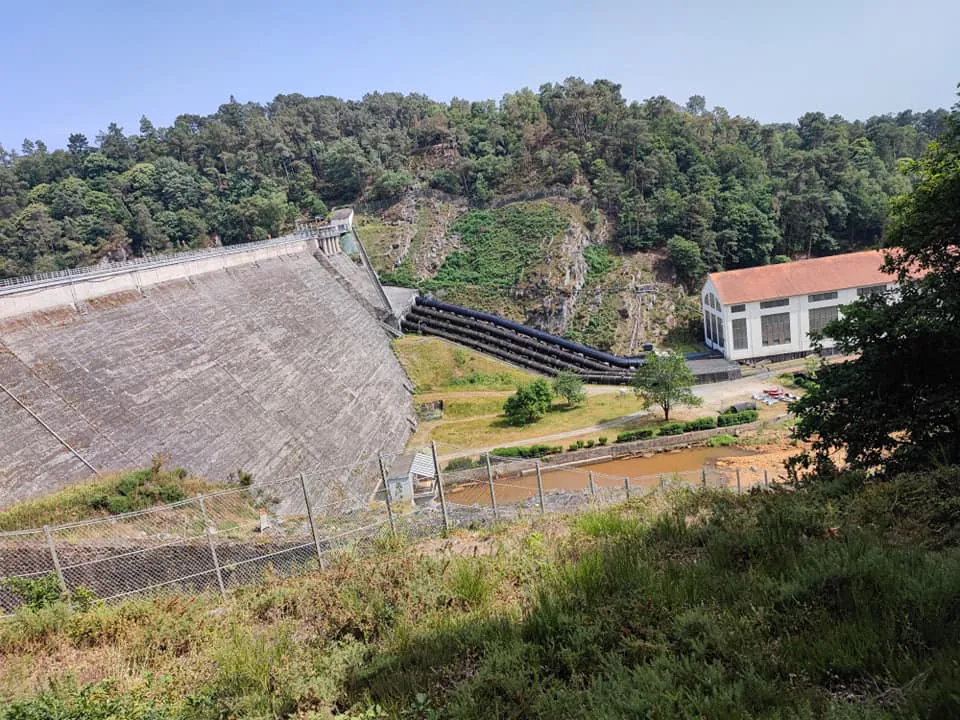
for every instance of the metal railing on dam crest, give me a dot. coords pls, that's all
(142, 263)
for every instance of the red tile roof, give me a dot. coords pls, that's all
(802, 277)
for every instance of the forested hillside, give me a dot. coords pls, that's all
(741, 193)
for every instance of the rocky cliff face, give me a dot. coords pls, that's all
(618, 304)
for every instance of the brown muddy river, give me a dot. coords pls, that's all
(516, 482)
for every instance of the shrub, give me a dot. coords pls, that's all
(640, 434)
(171, 493)
(117, 504)
(462, 463)
(673, 428)
(704, 423)
(590, 444)
(532, 451)
(35, 593)
(446, 181)
(602, 440)
(740, 418)
(129, 483)
(721, 441)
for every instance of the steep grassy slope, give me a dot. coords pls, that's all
(838, 601)
(433, 365)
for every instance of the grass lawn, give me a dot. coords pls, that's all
(489, 429)
(434, 364)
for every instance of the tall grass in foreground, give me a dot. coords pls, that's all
(836, 601)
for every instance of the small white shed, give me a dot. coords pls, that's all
(410, 476)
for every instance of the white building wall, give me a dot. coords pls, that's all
(799, 309)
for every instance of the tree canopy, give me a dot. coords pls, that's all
(897, 403)
(665, 379)
(569, 386)
(742, 192)
(529, 403)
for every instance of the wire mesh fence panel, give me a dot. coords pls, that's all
(278, 528)
(124, 554)
(246, 563)
(24, 556)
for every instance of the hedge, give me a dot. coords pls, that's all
(462, 463)
(641, 434)
(533, 451)
(740, 418)
(704, 423)
(674, 428)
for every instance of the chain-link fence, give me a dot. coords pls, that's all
(210, 542)
(239, 535)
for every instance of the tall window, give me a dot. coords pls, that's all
(783, 302)
(820, 297)
(738, 308)
(819, 317)
(707, 326)
(775, 329)
(720, 332)
(740, 334)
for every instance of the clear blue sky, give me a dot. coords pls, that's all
(76, 66)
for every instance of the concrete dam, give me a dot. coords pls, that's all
(269, 357)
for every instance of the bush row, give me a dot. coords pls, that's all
(740, 418)
(678, 428)
(533, 451)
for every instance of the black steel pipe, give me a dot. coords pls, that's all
(512, 337)
(626, 363)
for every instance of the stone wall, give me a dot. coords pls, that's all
(272, 367)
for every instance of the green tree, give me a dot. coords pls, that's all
(686, 260)
(665, 380)
(897, 403)
(529, 403)
(569, 386)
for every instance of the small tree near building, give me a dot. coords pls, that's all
(529, 403)
(665, 380)
(569, 386)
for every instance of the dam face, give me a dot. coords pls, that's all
(264, 360)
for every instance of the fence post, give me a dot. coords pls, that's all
(593, 488)
(213, 549)
(662, 483)
(766, 481)
(443, 500)
(386, 494)
(55, 557)
(313, 524)
(739, 491)
(493, 492)
(703, 476)
(626, 486)
(540, 487)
